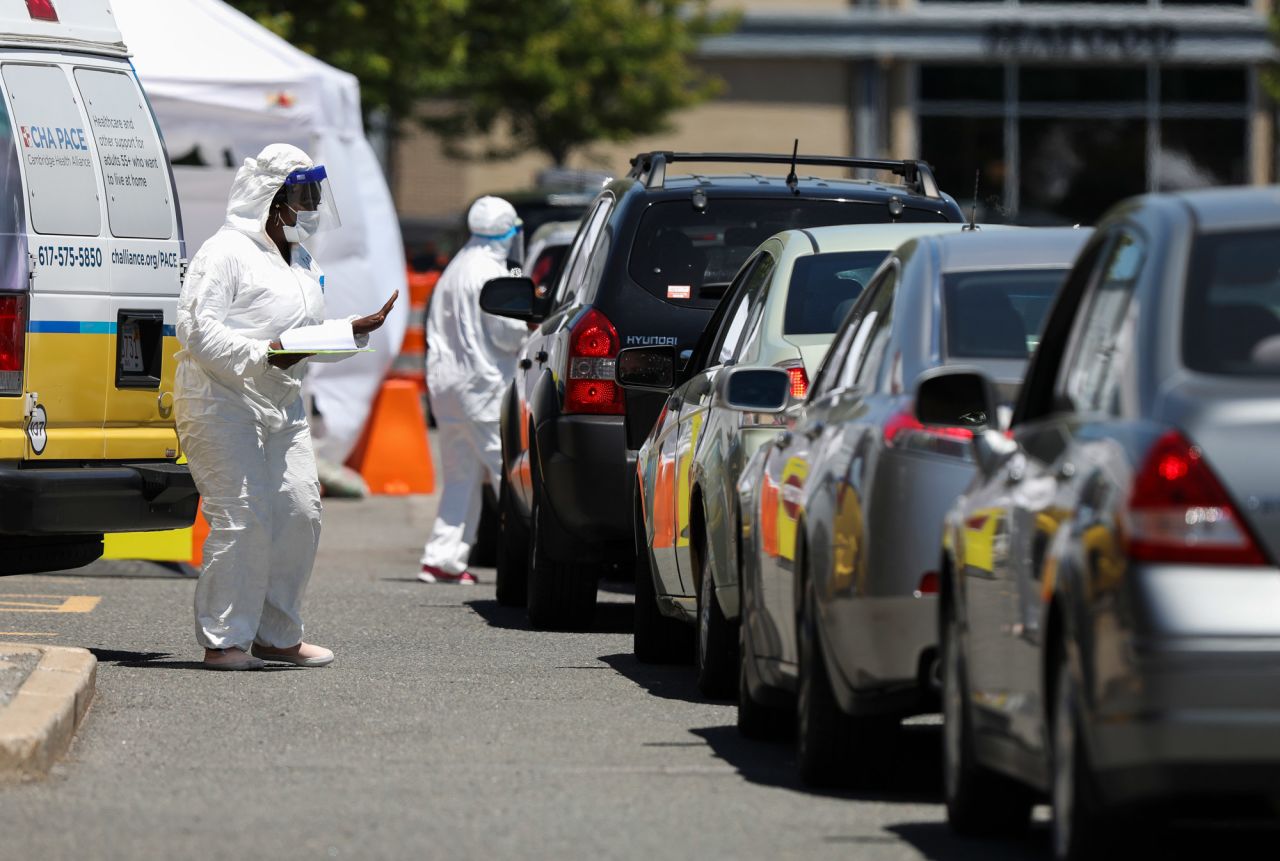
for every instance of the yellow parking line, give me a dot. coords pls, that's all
(48, 603)
(24, 634)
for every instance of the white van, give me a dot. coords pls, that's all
(91, 262)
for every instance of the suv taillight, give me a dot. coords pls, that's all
(799, 378)
(13, 342)
(1179, 511)
(593, 352)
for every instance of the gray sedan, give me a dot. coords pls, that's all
(1110, 594)
(841, 514)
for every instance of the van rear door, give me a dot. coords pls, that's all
(69, 336)
(143, 261)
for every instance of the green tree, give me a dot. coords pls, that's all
(557, 75)
(403, 51)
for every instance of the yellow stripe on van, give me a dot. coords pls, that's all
(69, 374)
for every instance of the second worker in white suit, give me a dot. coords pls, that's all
(471, 359)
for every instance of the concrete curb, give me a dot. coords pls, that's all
(37, 726)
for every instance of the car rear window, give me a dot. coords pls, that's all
(997, 314)
(1231, 320)
(824, 287)
(688, 255)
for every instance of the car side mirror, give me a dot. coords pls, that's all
(956, 397)
(652, 368)
(512, 296)
(965, 398)
(753, 390)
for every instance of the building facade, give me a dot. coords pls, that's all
(1053, 110)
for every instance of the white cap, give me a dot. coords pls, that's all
(490, 217)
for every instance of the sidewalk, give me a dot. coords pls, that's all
(45, 692)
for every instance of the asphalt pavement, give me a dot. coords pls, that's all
(445, 729)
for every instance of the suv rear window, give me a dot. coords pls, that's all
(1231, 322)
(689, 256)
(824, 288)
(997, 314)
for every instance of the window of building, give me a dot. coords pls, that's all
(1062, 144)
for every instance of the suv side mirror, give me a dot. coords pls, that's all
(511, 296)
(956, 397)
(646, 368)
(753, 390)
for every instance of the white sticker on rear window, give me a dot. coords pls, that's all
(679, 291)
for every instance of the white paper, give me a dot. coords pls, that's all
(329, 336)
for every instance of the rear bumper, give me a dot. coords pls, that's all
(587, 472)
(1202, 724)
(78, 500)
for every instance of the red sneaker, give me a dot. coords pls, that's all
(432, 574)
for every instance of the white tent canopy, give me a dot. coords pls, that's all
(225, 86)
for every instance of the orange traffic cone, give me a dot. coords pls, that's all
(199, 532)
(395, 457)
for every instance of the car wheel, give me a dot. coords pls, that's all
(833, 749)
(562, 595)
(1080, 828)
(757, 720)
(513, 552)
(658, 639)
(980, 802)
(717, 650)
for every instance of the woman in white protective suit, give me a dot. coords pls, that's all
(471, 359)
(240, 413)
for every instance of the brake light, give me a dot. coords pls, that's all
(13, 342)
(593, 353)
(799, 378)
(1180, 512)
(42, 10)
(903, 427)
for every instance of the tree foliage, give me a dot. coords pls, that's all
(551, 75)
(561, 74)
(403, 51)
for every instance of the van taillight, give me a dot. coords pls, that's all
(13, 342)
(593, 352)
(42, 10)
(1180, 512)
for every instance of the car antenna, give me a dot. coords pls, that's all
(973, 210)
(793, 182)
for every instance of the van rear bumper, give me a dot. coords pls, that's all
(121, 497)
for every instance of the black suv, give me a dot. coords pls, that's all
(653, 257)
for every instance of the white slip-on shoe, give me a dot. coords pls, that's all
(301, 655)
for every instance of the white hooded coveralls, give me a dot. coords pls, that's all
(471, 359)
(241, 421)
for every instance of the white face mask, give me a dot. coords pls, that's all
(305, 226)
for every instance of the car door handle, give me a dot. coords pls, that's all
(540, 356)
(525, 363)
(815, 430)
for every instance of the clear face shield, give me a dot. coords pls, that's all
(307, 192)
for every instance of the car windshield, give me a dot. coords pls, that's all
(997, 314)
(1231, 322)
(689, 255)
(824, 287)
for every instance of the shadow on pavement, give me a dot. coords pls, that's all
(935, 840)
(611, 617)
(911, 772)
(152, 661)
(672, 682)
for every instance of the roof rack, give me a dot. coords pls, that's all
(651, 167)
